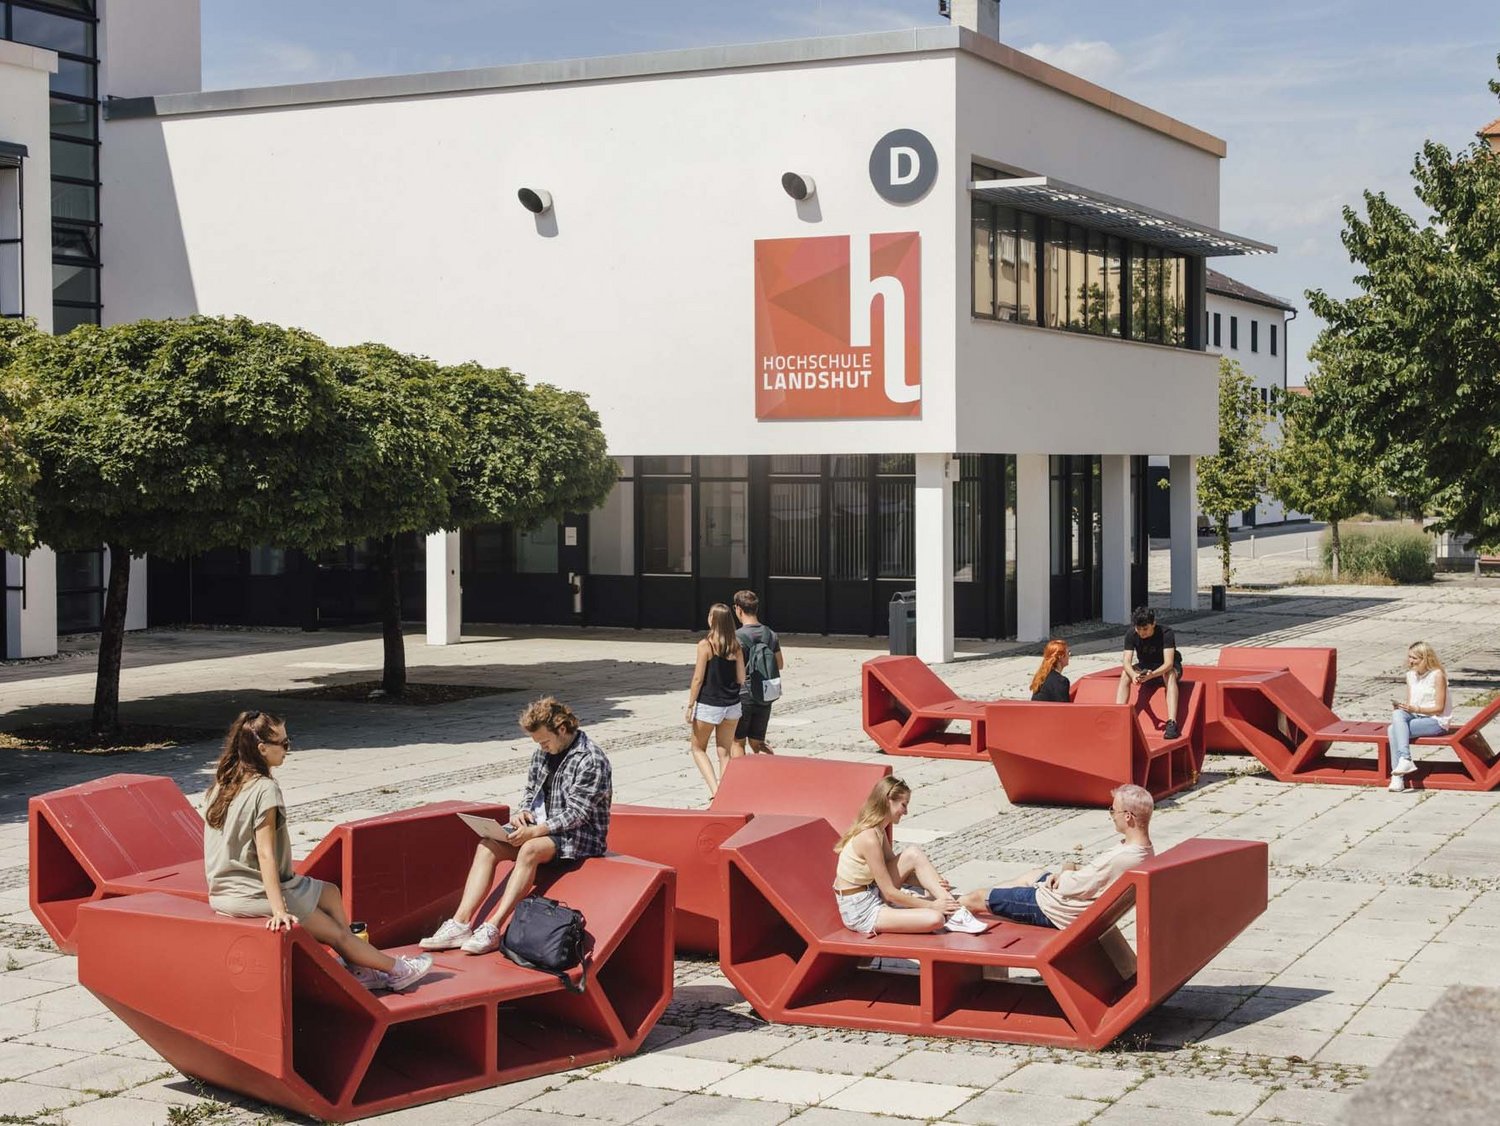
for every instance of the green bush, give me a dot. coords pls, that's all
(1401, 554)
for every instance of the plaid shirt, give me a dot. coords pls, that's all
(578, 796)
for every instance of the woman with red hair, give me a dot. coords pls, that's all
(1049, 684)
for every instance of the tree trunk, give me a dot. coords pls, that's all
(1333, 542)
(1224, 547)
(393, 679)
(106, 717)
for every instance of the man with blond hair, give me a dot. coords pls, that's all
(1055, 899)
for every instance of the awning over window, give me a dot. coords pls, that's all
(1046, 196)
(11, 154)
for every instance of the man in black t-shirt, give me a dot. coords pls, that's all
(1150, 652)
(754, 714)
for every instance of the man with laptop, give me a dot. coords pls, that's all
(563, 818)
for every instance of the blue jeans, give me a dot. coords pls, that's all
(1019, 905)
(1405, 727)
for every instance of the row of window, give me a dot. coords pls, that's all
(70, 28)
(1234, 333)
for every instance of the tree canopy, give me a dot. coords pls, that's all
(1412, 358)
(1234, 478)
(17, 467)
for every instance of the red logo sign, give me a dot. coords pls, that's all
(837, 327)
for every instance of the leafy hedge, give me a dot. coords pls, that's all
(1400, 554)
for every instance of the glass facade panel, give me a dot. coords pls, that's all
(536, 549)
(74, 77)
(66, 318)
(1055, 277)
(485, 545)
(849, 465)
(75, 283)
(849, 531)
(1078, 289)
(56, 33)
(1114, 285)
(79, 613)
(1026, 270)
(983, 255)
(74, 201)
(612, 533)
(74, 119)
(76, 159)
(268, 560)
(795, 518)
(896, 540)
(966, 528)
(666, 527)
(723, 529)
(736, 466)
(896, 463)
(794, 463)
(670, 466)
(1006, 278)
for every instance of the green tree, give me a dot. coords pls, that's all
(17, 467)
(1321, 466)
(1413, 356)
(1234, 478)
(175, 437)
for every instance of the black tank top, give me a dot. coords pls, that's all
(720, 688)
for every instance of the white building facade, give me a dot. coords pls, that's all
(859, 314)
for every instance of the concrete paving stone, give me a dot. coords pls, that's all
(1302, 1106)
(117, 1111)
(99, 1073)
(674, 1073)
(717, 1110)
(19, 1059)
(1136, 1114)
(19, 986)
(23, 1099)
(1075, 1080)
(1313, 1015)
(1353, 1048)
(781, 1084)
(1382, 1020)
(178, 1090)
(99, 1033)
(1006, 1108)
(1276, 1041)
(1179, 1092)
(961, 1069)
(450, 1112)
(1407, 995)
(821, 1116)
(606, 1102)
(846, 1057)
(900, 1097)
(731, 1047)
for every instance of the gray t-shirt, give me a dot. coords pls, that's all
(231, 862)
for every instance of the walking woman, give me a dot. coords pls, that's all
(879, 890)
(1427, 710)
(1049, 684)
(247, 855)
(714, 698)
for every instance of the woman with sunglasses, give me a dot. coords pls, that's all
(247, 854)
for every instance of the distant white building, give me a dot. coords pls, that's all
(1250, 327)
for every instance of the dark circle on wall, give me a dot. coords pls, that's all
(903, 166)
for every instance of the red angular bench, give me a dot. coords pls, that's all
(688, 840)
(908, 710)
(786, 950)
(1077, 753)
(128, 834)
(273, 1016)
(1315, 667)
(1294, 732)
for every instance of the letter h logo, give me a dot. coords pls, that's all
(838, 327)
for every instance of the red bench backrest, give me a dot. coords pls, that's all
(1315, 667)
(795, 857)
(833, 789)
(914, 685)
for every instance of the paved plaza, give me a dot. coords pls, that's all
(1378, 901)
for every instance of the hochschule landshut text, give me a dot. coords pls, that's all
(819, 371)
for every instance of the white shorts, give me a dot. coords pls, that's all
(861, 910)
(707, 713)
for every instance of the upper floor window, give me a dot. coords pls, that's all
(1273, 340)
(1255, 336)
(1234, 332)
(1218, 340)
(11, 272)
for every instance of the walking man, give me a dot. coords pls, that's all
(763, 665)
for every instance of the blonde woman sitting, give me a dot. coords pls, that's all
(874, 884)
(1427, 710)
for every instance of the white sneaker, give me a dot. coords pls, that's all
(486, 937)
(1398, 783)
(1404, 766)
(408, 971)
(964, 922)
(371, 979)
(449, 936)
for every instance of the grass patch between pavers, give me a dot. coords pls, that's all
(1483, 700)
(418, 694)
(77, 739)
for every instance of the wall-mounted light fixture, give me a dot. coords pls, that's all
(798, 186)
(535, 200)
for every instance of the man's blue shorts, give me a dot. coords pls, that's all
(1019, 905)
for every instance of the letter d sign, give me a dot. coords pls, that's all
(903, 166)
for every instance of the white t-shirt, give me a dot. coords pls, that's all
(1423, 694)
(1078, 888)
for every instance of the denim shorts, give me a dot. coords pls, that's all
(708, 713)
(1019, 905)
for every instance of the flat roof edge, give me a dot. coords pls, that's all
(513, 75)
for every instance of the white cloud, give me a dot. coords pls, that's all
(1093, 59)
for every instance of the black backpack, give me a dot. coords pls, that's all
(548, 936)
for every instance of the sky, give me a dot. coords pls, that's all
(1318, 100)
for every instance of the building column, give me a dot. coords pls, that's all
(135, 597)
(1114, 504)
(1183, 495)
(1033, 548)
(444, 596)
(934, 556)
(31, 612)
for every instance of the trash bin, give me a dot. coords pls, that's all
(904, 623)
(1216, 597)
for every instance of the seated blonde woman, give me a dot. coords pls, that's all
(879, 890)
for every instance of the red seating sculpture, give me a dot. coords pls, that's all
(1316, 668)
(908, 710)
(786, 950)
(688, 840)
(1076, 754)
(272, 1015)
(1293, 732)
(120, 835)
